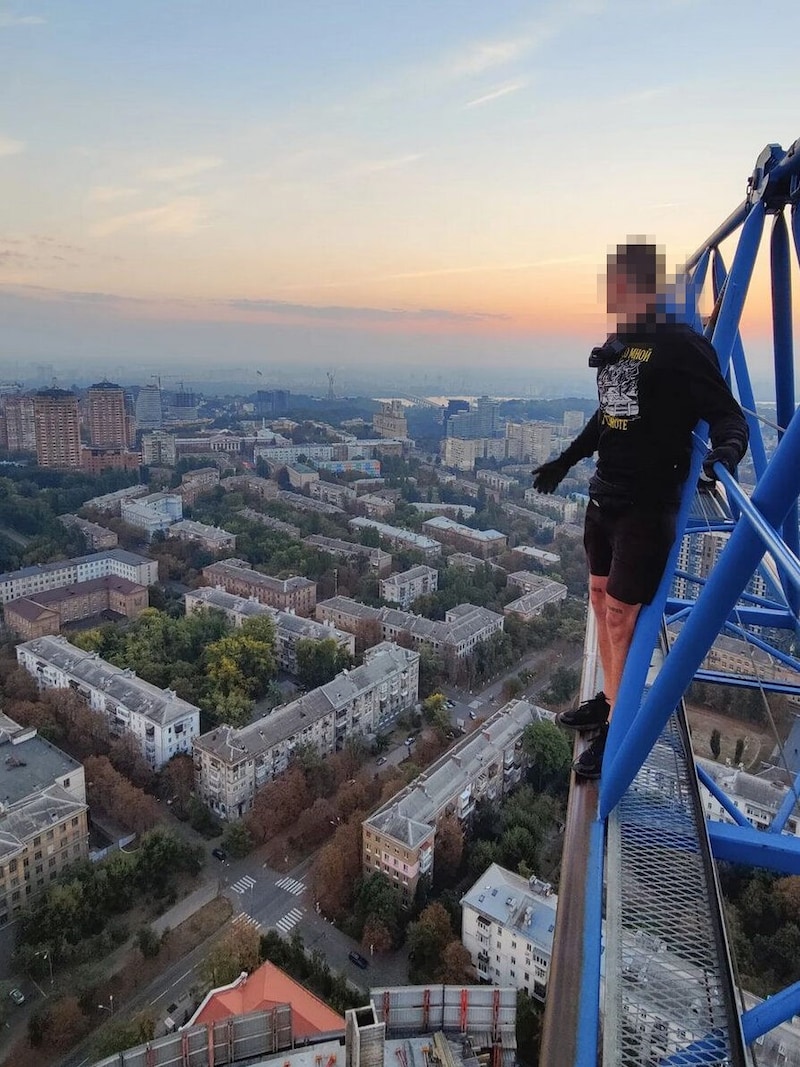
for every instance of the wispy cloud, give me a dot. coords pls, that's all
(10, 147)
(490, 268)
(377, 165)
(495, 94)
(343, 313)
(183, 169)
(481, 56)
(7, 19)
(109, 194)
(184, 214)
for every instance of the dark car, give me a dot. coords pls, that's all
(358, 960)
(220, 854)
(381, 760)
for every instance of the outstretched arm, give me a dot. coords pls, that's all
(547, 477)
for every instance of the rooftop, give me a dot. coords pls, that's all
(233, 744)
(410, 814)
(247, 606)
(398, 532)
(517, 903)
(130, 559)
(441, 522)
(239, 568)
(420, 571)
(54, 804)
(265, 988)
(162, 706)
(28, 764)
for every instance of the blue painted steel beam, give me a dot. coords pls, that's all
(785, 558)
(765, 646)
(740, 681)
(721, 796)
(709, 1051)
(770, 1013)
(778, 824)
(744, 385)
(589, 991)
(722, 232)
(780, 620)
(776, 490)
(748, 598)
(754, 848)
(703, 526)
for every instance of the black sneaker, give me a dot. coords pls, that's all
(588, 715)
(590, 762)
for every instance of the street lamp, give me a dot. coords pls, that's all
(109, 1006)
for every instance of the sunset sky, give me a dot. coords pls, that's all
(430, 184)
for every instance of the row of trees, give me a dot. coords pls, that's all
(77, 917)
(222, 670)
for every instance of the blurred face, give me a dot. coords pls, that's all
(626, 298)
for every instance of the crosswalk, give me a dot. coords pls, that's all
(243, 919)
(291, 885)
(289, 920)
(244, 884)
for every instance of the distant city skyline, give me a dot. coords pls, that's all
(392, 191)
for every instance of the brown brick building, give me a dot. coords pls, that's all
(46, 612)
(286, 594)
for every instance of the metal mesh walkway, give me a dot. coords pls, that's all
(668, 997)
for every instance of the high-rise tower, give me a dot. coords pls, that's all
(58, 441)
(148, 408)
(107, 423)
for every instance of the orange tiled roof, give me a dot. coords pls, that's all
(266, 988)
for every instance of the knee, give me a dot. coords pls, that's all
(597, 595)
(619, 623)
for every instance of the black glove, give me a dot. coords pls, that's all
(727, 455)
(547, 477)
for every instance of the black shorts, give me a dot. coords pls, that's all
(629, 544)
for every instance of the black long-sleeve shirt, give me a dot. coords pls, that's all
(650, 400)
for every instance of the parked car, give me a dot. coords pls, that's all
(410, 740)
(472, 715)
(358, 960)
(381, 760)
(450, 704)
(17, 996)
(220, 854)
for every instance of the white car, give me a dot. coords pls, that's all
(17, 996)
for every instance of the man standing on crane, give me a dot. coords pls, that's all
(656, 378)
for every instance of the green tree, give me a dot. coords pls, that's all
(237, 840)
(549, 753)
(426, 940)
(319, 662)
(377, 900)
(715, 743)
(739, 751)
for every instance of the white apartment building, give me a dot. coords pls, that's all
(43, 576)
(757, 798)
(404, 587)
(152, 513)
(112, 502)
(507, 924)
(398, 839)
(289, 628)
(232, 764)
(161, 723)
(213, 538)
(399, 537)
(537, 592)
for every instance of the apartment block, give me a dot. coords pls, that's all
(152, 513)
(507, 924)
(286, 594)
(46, 612)
(30, 581)
(196, 482)
(537, 555)
(214, 538)
(107, 417)
(404, 587)
(250, 483)
(537, 592)
(399, 838)
(158, 449)
(568, 509)
(43, 816)
(157, 719)
(399, 537)
(379, 561)
(390, 421)
(278, 525)
(301, 476)
(232, 764)
(495, 480)
(332, 493)
(97, 537)
(289, 628)
(453, 511)
(20, 423)
(464, 626)
(58, 440)
(759, 798)
(96, 460)
(472, 563)
(483, 543)
(306, 503)
(111, 503)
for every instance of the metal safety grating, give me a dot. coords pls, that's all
(668, 994)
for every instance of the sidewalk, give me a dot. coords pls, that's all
(185, 908)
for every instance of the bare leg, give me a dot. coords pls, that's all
(620, 621)
(597, 595)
